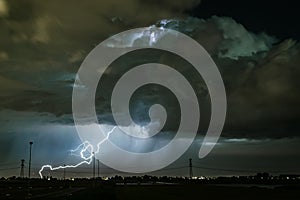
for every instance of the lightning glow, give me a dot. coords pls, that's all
(86, 147)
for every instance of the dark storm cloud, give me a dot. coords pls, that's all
(44, 42)
(261, 77)
(266, 98)
(70, 21)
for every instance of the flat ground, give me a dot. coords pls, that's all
(154, 192)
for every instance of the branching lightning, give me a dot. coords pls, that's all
(85, 147)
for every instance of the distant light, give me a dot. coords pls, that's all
(238, 140)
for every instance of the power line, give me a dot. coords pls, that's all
(241, 170)
(5, 169)
(64, 172)
(98, 161)
(9, 164)
(107, 170)
(22, 168)
(29, 164)
(191, 168)
(94, 164)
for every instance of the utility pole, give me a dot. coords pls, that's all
(64, 172)
(98, 167)
(94, 165)
(22, 168)
(30, 143)
(191, 168)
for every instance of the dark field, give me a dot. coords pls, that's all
(156, 191)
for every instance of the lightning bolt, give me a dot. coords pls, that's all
(85, 147)
(81, 146)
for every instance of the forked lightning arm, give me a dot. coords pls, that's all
(87, 159)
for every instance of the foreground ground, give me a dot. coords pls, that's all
(152, 192)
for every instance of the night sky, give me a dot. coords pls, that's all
(254, 44)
